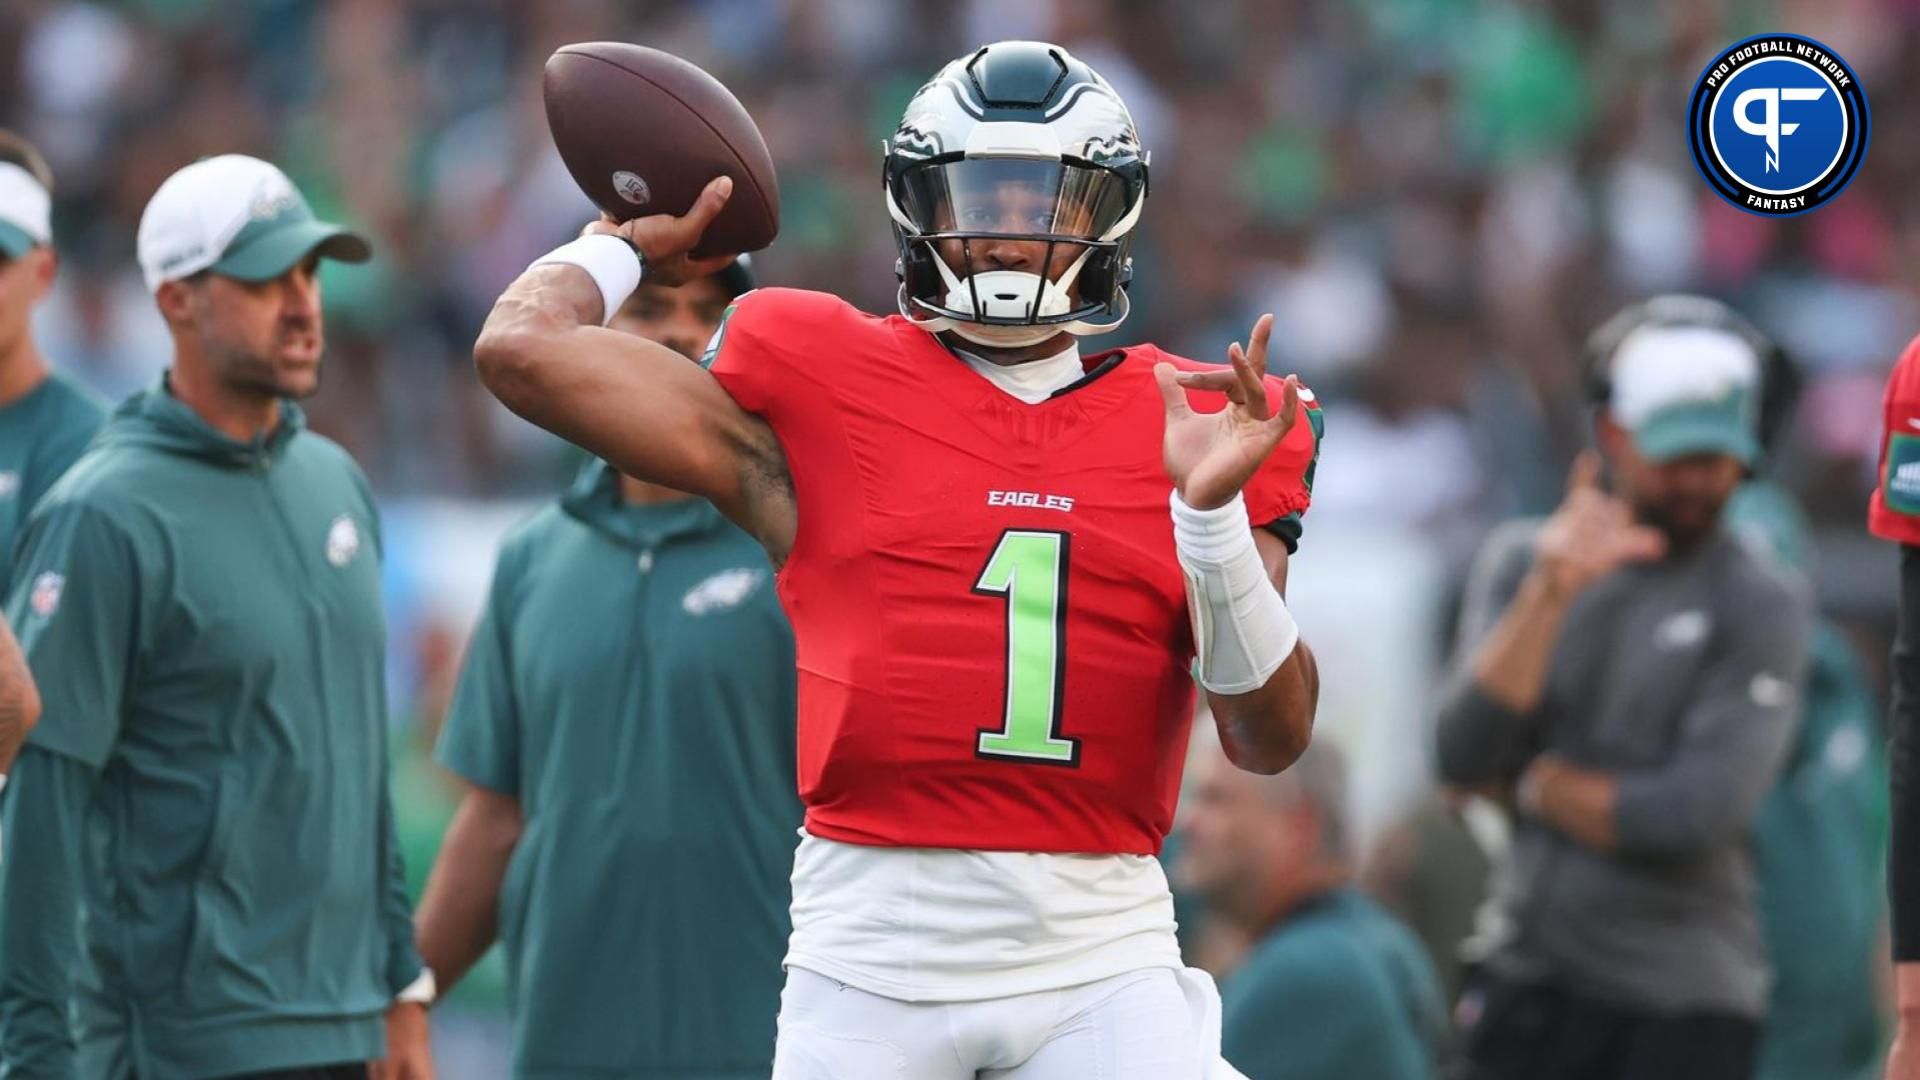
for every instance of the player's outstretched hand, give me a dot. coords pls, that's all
(1591, 534)
(665, 240)
(1211, 456)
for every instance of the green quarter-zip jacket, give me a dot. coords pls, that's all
(208, 784)
(631, 683)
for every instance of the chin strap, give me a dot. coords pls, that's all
(1006, 337)
(998, 337)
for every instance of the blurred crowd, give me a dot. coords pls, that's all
(1438, 199)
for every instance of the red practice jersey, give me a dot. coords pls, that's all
(990, 622)
(1894, 513)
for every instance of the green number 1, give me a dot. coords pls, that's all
(1029, 568)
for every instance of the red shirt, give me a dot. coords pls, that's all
(1894, 513)
(991, 627)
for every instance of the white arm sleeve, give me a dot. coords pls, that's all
(1242, 629)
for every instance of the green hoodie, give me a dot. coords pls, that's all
(632, 685)
(208, 783)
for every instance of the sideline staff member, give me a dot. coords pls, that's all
(625, 719)
(199, 599)
(45, 419)
(1633, 669)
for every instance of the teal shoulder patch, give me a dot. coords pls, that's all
(719, 336)
(1317, 420)
(1900, 487)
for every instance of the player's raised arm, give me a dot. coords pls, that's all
(643, 407)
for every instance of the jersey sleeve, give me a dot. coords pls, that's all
(1279, 493)
(1894, 513)
(480, 740)
(748, 353)
(72, 604)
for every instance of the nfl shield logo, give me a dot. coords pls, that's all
(45, 598)
(343, 540)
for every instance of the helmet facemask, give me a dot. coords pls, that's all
(1017, 144)
(952, 213)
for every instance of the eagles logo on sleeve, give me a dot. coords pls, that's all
(1894, 513)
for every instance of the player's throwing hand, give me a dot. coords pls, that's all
(665, 241)
(1211, 456)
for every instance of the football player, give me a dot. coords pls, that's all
(997, 600)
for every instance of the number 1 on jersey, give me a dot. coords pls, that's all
(1029, 568)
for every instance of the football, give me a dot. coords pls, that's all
(643, 131)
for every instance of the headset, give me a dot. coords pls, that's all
(1780, 378)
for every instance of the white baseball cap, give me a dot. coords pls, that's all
(237, 216)
(26, 212)
(1688, 390)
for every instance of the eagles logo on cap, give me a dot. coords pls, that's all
(239, 217)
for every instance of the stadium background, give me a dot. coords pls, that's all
(1437, 197)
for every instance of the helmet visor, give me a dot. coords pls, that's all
(1011, 197)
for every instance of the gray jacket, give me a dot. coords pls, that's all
(1681, 678)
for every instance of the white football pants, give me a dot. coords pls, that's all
(1156, 1024)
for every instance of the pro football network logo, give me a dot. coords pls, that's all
(1778, 124)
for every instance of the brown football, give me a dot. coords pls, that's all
(644, 131)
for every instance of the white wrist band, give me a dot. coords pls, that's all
(421, 991)
(609, 260)
(1242, 629)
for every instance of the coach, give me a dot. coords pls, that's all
(45, 420)
(201, 878)
(625, 721)
(1632, 670)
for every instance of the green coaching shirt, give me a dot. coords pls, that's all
(207, 787)
(632, 685)
(1337, 990)
(41, 435)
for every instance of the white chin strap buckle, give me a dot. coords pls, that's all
(1009, 294)
(1005, 294)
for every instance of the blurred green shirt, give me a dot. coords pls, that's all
(41, 435)
(1820, 839)
(1337, 991)
(632, 684)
